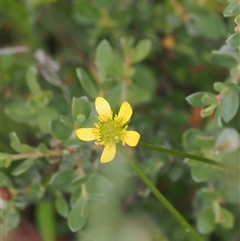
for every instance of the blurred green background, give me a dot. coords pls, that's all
(151, 53)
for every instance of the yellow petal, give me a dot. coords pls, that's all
(132, 138)
(108, 154)
(124, 113)
(85, 134)
(102, 107)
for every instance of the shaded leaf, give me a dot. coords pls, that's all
(205, 220)
(104, 59)
(15, 142)
(230, 104)
(195, 99)
(62, 206)
(10, 220)
(61, 180)
(87, 83)
(228, 140)
(142, 50)
(234, 40)
(232, 9)
(78, 215)
(60, 130)
(45, 218)
(190, 136)
(23, 167)
(201, 172)
(5, 160)
(32, 83)
(45, 116)
(226, 218)
(80, 107)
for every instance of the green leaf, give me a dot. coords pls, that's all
(87, 83)
(234, 40)
(44, 118)
(226, 218)
(127, 44)
(218, 116)
(232, 9)
(207, 23)
(15, 142)
(19, 112)
(142, 50)
(60, 130)
(67, 122)
(78, 181)
(104, 59)
(208, 195)
(206, 142)
(5, 180)
(62, 179)
(39, 101)
(27, 149)
(226, 56)
(85, 12)
(219, 87)
(141, 90)
(209, 99)
(62, 206)
(229, 192)
(79, 120)
(201, 172)
(46, 223)
(195, 99)
(10, 220)
(37, 191)
(78, 215)
(207, 111)
(80, 108)
(114, 95)
(43, 149)
(227, 141)
(205, 221)
(190, 136)
(75, 196)
(32, 82)
(237, 19)
(98, 184)
(230, 104)
(23, 167)
(18, 147)
(5, 160)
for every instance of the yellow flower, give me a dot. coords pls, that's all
(109, 131)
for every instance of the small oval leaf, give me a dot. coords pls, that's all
(23, 167)
(142, 50)
(230, 105)
(62, 206)
(87, 83)
(60, 130)
(62, 179)
(78, 215)
(205, 220)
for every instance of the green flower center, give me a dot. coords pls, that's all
(109, 132)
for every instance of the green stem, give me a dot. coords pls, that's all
(190, 156)
(187, 227)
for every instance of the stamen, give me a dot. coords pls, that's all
(109, 131)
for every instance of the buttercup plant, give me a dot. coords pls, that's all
(109, 131)
(98, 194)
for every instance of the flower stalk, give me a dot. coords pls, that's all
(182, 221)
(190, 156)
